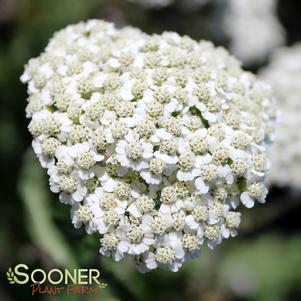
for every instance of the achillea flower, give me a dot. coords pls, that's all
(152, 139)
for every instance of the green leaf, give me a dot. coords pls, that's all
(34, 192)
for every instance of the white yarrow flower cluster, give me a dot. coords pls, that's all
(154, 140)
(254, 29)
(284, 73)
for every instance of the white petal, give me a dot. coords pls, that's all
(98, 80)
(102, 228)
(210, 116)
(151, 262)
(247, 200)
(201, 186)
(185, 175)
(122, 246)
(190, 221)
(166, 158)
(114, 63)
(200, 106)
(201, 133)
(79, 194)
(98, 157)
(163, 134)
(212, 244)
(36, 145)
(126, 94)
(133, 210)
(165, 209)
(179, 252)
(202, 160)
(172, 106)
(109, 185)
(225, 232)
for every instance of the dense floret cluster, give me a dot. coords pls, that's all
(284, 73)
(154, 140)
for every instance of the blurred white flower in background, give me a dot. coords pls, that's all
(253, 28)
(284, 74)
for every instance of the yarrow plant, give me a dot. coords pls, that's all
(154, 140)
(283, 73)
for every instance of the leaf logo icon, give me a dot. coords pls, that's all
(10, 276)
(103, 285)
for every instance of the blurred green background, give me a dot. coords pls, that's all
(263, 263)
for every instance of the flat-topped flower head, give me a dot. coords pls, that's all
(154, 140)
